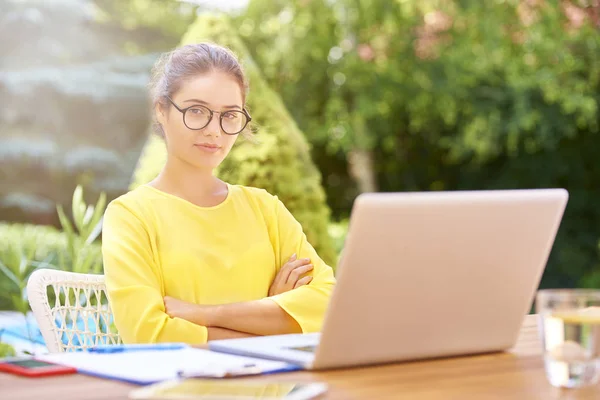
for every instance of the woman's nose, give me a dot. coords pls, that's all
(213, 127)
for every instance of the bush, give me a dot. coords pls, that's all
(34, 246)
(279, 163)
(37, 241)
(339, 231)
(25, 248)
(29, 243)
(457, 95)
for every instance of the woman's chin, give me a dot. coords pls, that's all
(206, 163)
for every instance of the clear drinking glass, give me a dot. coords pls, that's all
(570, 333)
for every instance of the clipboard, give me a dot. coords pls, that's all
(144, 366)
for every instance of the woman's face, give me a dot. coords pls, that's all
(205, 148)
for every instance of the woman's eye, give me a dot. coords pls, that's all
(197, 111)
(230, 115)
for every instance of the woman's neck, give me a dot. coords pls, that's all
(197, 186)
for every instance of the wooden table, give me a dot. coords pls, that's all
(516, 374)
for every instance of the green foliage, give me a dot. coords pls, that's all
(87, 226)
(25, 248)
(152, 159)
(446, 95)
(338, 232)
(279, 163)
(146, 25)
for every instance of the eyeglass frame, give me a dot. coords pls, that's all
(184, 110)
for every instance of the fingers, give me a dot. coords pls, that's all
(303, 281)
(290, 266)
(294, 263)
(168, 310)
(284, 272)
(290, 273)
(297, 272)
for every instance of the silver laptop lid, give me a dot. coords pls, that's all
(437, 274)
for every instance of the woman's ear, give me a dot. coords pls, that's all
(160, 113)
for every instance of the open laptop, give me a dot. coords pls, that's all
(424, 275)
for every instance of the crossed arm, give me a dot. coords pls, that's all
(251, 318)
(296, 300)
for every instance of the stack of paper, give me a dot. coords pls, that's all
(151, 366)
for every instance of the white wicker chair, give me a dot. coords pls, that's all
(80, 316)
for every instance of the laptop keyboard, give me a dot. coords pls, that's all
(308, 349)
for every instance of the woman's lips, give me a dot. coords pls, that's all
(208, 148)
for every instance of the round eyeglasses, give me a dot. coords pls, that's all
(198, 117)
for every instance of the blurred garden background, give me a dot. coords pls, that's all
(348, 96)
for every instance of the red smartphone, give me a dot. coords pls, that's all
(33, 368)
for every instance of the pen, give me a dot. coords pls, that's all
(216, 371)
(136, 347)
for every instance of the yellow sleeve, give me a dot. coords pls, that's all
(306, 304)
(134, 285)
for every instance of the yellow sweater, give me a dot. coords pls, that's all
(155, 244)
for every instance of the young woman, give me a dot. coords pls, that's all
(190, 258)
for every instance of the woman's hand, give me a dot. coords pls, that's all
(290, 276)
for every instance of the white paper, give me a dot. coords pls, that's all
(275, 347)
(145, 367)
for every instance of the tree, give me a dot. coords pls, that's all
(146, 25)
(442, 94)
